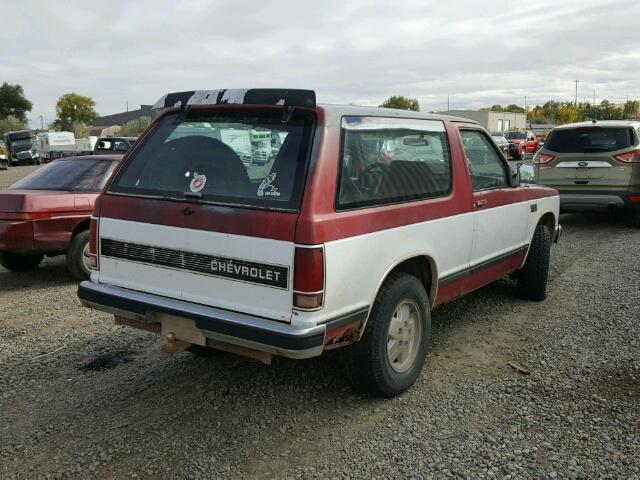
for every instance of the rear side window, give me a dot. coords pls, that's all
(590, 139)
(246, 158)
(68, 175)
(391, 160)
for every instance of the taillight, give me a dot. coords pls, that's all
(540, 157)
(93, 243)
(634, 198)
(629, 157)
(308, 281)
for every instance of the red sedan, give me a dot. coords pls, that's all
(48, 213)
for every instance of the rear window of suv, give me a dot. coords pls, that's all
(590, 139)
(232, 157)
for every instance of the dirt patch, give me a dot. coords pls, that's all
(107, 361)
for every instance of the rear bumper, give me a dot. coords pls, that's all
(595, 201)
(223, 325)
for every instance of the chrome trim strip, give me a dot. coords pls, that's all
(589, 164)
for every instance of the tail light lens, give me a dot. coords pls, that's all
(93, 243)
(629, 157)
(540, 157)
(634, 198)
(308, 281)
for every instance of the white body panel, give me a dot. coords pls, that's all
(254, 299)
(499, 230)
(355, 267)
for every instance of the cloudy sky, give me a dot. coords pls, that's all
(477, 52)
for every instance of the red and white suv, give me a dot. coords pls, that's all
(361, 221)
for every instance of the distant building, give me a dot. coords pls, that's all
(493, 121)
(110, 124)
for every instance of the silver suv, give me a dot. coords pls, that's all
(595, 166)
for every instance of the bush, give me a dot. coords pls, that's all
(134, 127)
(10, 124)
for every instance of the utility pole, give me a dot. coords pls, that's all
(448, 109)
(41, 123)
(127, 105)
(594, 96)
(576, 102)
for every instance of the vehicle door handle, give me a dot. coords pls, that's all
(480, 203)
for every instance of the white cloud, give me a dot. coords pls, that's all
(478, 53)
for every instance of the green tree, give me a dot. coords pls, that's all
(631, 109)
(514, 108)
(13, 102)
(610, 112)
(403, 103)
(73, 108)
(135, 127)
(11, 124)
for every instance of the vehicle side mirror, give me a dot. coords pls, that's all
(526, 174)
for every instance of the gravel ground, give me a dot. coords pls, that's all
(80, 397)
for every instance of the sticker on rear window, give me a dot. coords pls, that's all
(266, 188)
(198, 183)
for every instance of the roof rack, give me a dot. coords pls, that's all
(253, 96)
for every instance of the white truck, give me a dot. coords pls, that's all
(53, 145)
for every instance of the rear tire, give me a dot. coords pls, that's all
(20, 263)
(400, 320)
(636, 218)
(534, 275)
(77, 255)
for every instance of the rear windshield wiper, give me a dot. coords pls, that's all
(196, 195)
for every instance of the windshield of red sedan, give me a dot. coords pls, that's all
(68, 175)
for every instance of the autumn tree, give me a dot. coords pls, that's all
(73, 109)
(402, 103)
(13, 103)
(566, 113)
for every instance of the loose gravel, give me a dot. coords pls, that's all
(80, 397)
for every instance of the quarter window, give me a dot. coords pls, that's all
(486, 168)
(390, 160)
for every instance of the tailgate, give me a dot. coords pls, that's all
(592, 169)
(155, 248)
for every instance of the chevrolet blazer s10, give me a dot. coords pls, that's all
(359, 224)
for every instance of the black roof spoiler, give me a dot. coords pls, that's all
(254, 96)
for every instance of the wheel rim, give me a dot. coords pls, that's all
(85, 259)
(403, 338)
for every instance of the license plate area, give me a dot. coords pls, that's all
(183, 328)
